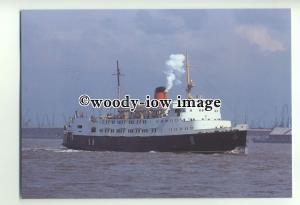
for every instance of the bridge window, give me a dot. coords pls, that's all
(79, 126)
(93, 129)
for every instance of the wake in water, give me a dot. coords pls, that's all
(62, 149)
(238, 151)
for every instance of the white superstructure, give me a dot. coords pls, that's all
(174, 121)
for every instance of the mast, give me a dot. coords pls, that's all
(118, 74)
(189, 82)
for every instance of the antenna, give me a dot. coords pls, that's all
(118, 74)
(189, 82)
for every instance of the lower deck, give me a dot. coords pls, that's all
(214, 142)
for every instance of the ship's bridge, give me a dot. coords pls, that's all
(196, 112)
(201, 117)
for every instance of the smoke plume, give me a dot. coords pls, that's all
(174, 70)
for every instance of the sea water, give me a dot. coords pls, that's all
(48, 170)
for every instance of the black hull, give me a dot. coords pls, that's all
(216, 142)
(272, 141)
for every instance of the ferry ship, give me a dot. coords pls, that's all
(159, 129)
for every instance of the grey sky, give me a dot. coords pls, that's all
(240, 56)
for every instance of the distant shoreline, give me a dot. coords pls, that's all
(42, 133)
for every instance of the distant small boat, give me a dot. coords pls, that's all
(277, 135)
